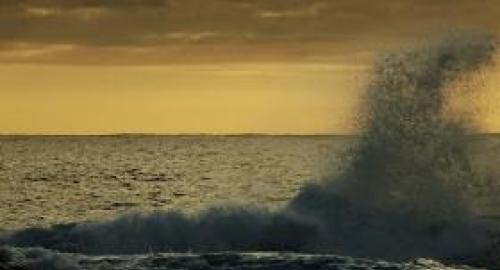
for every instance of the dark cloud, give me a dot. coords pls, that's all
(177, 24)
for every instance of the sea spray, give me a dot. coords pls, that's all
(408, 187)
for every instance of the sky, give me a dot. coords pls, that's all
(210, 66)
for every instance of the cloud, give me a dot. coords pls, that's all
(170, 25)
(309, 11)
(81, 3)
(81, 13)
(19, 51)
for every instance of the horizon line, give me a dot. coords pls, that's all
(124, 134)
(178, 134)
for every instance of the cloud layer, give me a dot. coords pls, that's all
(169, 31)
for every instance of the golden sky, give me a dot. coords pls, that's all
(209, 66)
